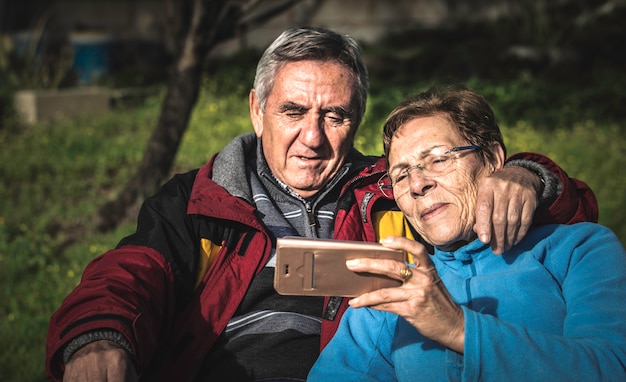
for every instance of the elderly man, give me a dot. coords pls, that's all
(189, 296)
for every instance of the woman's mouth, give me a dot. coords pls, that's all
(433, 211)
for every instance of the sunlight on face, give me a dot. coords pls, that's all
(442, 208)
(306, 128)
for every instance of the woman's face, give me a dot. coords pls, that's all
(441, 208)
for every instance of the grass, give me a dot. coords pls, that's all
(55, 176)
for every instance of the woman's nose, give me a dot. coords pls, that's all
(419, 184)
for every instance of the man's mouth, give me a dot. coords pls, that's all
(309, 159)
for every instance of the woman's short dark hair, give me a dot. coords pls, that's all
(468, 111)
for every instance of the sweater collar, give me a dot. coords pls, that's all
(230, 167)
(470, 251)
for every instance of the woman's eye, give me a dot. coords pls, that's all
(401, 177)
(439, 160)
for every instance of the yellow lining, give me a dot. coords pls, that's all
(392, 223)
(208, 253)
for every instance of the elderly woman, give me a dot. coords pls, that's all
(552, 308)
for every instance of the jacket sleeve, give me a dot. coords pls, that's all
(575, 201)
(133, 289)
(124, 290)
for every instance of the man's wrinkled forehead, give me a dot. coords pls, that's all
(304, 83)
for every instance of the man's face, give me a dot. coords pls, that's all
(307, 127)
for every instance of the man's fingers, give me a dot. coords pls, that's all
(506, 203)
(484, 213)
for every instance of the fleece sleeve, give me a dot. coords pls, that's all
(592, 346)
(360, 351)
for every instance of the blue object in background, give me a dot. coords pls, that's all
(91, 56)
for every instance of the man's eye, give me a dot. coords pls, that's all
(294, 113)
(335, 120)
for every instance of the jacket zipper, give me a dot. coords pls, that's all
(310, 215)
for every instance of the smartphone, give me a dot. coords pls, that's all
(317, 267)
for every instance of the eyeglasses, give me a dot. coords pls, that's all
(438, 162)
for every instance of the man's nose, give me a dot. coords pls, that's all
(313, 133)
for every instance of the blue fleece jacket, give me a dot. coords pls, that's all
(553, 308)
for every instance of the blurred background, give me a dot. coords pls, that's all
(89, 88)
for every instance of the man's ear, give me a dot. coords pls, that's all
(256, 114)
(498, 157)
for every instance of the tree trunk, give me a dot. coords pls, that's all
(208, 22)
(180, 98)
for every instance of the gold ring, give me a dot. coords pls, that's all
(406, 273)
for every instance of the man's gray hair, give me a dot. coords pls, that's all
(310, 43)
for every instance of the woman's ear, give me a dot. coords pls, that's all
(498, 157)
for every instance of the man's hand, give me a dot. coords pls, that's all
(505, 206)
(100, 361)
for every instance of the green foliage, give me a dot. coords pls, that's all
(586, 151)
(222, 109)
(218, 117)
(53, 178)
